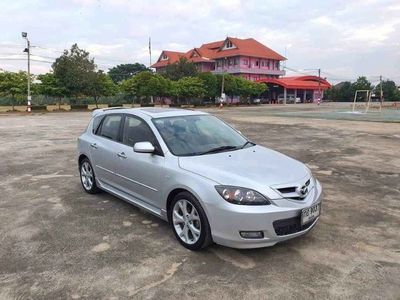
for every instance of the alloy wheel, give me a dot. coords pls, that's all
(87, 175)
(186, 221)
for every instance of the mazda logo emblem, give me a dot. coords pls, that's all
(303, 191)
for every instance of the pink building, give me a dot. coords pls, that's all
(254, 61)
(243, 57)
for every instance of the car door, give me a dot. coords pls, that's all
(103, 149)
(140, 173)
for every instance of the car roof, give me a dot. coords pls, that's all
(152, 112)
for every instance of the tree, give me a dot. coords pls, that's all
(13, 84)
(342, 92)
(362, 83)
(247, 89)
(100, 84)
(389, 89)
(122, 72)
(257, 89)
(210, 84)
(73, 70)
(189, 87)
(147, 84)
(180, 69)
(230, 84)
(50, 86)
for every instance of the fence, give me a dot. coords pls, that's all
(45, 100)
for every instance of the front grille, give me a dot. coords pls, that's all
(291, 192)
(289, 226)
(287, 190)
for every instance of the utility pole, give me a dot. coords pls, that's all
(151, 97)
(319, 86)
(150, 50)
(381, 95)
(28, 51)
(223, 82)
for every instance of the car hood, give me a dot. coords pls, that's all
(252, 167)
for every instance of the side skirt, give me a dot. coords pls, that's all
(128, 198)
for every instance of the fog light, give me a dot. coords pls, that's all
(251, 234)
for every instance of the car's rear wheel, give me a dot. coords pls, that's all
(189, 222)
(87, 176)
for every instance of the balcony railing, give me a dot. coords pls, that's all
(246, 70)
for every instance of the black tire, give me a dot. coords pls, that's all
(205, 238)
(93, 189)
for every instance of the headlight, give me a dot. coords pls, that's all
(239, 195)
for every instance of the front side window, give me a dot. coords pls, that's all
(110, 127)
(198, 135)
(135, 131)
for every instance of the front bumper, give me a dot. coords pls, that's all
(279, 221)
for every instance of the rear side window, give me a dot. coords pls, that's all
(96, 123)
(135, 131)
(110, 127)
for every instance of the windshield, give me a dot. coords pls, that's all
(198, 135)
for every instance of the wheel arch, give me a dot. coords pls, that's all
(179, 189)
(81, 158)
(172, 195)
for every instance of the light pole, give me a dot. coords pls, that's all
(286, 48)
(223, 81)
(28, 51)
(319, 82)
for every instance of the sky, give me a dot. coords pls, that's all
(345, 39)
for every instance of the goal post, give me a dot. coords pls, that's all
(368, 94)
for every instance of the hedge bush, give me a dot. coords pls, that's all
(38, 107)
(175, 105)
(79, 106)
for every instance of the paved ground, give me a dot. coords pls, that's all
(58, 242)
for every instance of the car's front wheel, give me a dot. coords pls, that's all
(189, 222)
(88, 179)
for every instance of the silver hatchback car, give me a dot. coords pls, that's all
(200, 174)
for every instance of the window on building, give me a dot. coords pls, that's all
(262, 63)
(277, 65)
(164, 57)
(230, 62)
(236, 61)
(229, 44)
(245, 62)
(257, 63)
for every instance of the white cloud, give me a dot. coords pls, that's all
(338, 35)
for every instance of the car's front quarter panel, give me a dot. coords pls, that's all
(227, 219)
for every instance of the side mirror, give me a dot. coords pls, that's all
(143, 147)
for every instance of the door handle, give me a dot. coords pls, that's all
(93, 145)
(121, 155)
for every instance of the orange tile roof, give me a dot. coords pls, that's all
(213, 50)
(173, 56)
(299, 82)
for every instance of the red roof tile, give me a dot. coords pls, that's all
(213, 50)
(299, 82)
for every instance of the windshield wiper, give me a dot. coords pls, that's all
(247, 143)
(219, 149)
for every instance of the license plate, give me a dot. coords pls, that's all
(309, 214)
